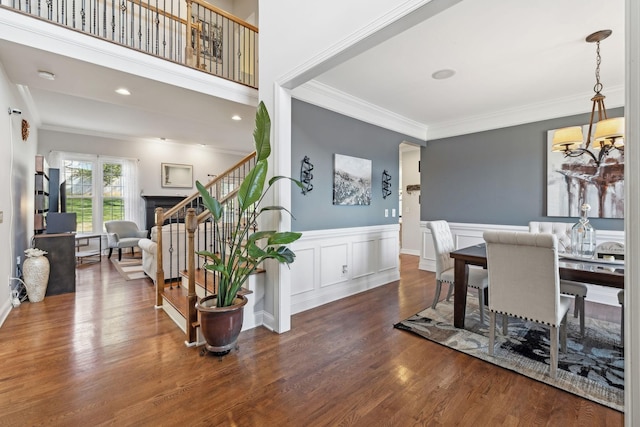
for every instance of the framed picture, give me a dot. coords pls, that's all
(177, 175)
(351, 180)
(572, 181)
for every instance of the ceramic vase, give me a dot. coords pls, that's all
(36, 276)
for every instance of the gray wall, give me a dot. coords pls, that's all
(494, 177)
(319, 134)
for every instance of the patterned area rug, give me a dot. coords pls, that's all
(592, 367)
(129, 268)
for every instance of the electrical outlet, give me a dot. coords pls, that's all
(393, 213)
(386, 213)
(344, 270)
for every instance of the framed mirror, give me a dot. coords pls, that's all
(175, 175)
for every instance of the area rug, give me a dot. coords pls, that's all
(592, 367)
(129, 268)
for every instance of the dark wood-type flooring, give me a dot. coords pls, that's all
(105, 356)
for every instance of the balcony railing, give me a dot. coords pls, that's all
(188, 32)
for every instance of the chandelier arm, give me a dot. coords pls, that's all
(577, 152)
(593, 110)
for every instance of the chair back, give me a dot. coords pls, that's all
(122, 228)
(524, 277)
(443, 244)
(562, 230)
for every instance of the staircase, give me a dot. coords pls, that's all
(178, 294)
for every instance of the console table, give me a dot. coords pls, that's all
(83, 241)
(61, 252)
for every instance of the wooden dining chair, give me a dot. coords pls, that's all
(562, 230)
(443, 244)
(525, 283)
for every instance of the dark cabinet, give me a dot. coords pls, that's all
(62, 261)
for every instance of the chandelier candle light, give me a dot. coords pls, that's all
(608, 134)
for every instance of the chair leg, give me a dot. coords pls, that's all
(581, 300)
(505, 324)
(110, 252)
(563, 334)
(622, 325)
(119, 254)
(553, 364)
(436, 297)
(576, 306)
(492, 331)
(450, 291)
(481, 305)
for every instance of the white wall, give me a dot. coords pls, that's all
(151, 154)
(410, 202)
(17, 168)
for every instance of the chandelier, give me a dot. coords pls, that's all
(608, 134)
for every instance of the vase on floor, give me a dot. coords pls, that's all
(35, 270)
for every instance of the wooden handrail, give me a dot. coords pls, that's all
(210, 184)
(159, 11)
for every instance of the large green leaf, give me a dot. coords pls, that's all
(260, 235)
(279, 177)
(277, 208)
(262, 133)
(209, 202)
(252, 185)
(284, 238)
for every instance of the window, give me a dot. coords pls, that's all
(98, 189)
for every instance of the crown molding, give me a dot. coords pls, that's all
(325, 96)
(530, 113)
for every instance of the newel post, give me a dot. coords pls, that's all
(159, 270)
(192, 315)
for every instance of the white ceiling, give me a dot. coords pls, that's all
(508, 55)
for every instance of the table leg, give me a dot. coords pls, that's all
(460, 278)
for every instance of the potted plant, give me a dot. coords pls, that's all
(244, 250)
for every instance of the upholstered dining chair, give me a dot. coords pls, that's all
(123, 234)
(525, 283)
(443, 244)
(562, 230)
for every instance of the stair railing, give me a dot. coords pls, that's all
(208, 39)
(175, 224)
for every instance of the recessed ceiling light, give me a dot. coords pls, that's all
(123, 91)
(443, 74)
(47, 75)
(236, 117)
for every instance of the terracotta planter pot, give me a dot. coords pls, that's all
(220, 326)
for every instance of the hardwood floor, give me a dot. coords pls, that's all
(105, 356)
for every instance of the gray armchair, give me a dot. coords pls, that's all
(123, 234)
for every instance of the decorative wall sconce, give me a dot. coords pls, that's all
(305, 175)
(386, 184)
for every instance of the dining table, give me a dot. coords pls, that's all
(597, 273)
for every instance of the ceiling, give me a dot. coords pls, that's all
(507, 55)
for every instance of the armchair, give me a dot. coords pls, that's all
(123, 234)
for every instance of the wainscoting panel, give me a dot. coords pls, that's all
(333, 264)
(364, 258)
(465, 235)
(302, 279)
(388, 253)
